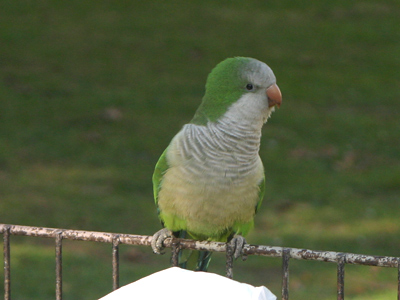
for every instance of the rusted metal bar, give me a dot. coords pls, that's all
(59, 237)
(341, 260)
(80, 235)
(398, 279)
(229, 260)
(115, 261)
(327, 256)
(285, 274)
(175, 252)
(306, 254)
(7, 263)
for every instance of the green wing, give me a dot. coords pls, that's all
(159, 171)
(261, 193)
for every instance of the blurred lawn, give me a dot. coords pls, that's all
(92, 92)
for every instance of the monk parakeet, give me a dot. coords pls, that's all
(209, 182)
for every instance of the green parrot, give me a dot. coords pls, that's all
(209, 182)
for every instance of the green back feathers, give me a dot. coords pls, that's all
(225, 85)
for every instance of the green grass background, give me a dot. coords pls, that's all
(91, 92)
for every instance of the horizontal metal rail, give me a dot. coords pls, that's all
(129, 239)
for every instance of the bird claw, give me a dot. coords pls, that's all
(234, 249)
(237, 243)
(158, 239)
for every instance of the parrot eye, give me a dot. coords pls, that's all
(249, 87)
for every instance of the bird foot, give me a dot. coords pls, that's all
(236, 245)
(158, 239)
(234, 249)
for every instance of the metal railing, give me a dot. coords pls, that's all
(341, 259)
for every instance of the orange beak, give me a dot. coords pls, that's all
(274, 96)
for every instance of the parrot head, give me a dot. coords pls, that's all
(243, 88)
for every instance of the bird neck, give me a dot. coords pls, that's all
(241, 136)
(225, 137)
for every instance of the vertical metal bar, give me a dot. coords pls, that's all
(175, 247)
(7, 268)
(341, 260)
(115, 262)
(398, 278)
(59, 266)
(285, 274)
(229, 260)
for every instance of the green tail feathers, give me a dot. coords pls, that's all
(192, 259)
